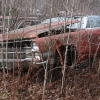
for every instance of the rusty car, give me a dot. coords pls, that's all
(80, 41)
(16, 46)
(76, 39)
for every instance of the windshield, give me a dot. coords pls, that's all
(93, 22)
(86, 22)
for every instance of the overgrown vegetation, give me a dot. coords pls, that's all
(81, 83)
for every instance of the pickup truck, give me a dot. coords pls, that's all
(75, 40)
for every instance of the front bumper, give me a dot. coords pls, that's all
(23, 63)
(43, 63)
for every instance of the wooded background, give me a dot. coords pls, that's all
(42, 7)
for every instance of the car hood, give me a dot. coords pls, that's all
(32, 31)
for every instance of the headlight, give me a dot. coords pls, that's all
(36, 56)
(35, 47)
(36, 53)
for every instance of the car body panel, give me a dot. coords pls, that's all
(85, 41)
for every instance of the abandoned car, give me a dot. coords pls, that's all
(75, 40)
(16, 46)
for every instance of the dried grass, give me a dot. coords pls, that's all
(80, 84)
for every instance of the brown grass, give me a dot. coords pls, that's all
(79, 84)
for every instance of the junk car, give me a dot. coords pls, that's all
(17, 45)
(78, 41)
(56, 43)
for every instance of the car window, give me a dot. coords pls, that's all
(80, 24)
(35, 22)
(28, 23)
(93, 22)
(57, 19)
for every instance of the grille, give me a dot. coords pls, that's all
(12, 53)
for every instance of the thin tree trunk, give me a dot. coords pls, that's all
(65, 59)
(45, 77)
(3, 29)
